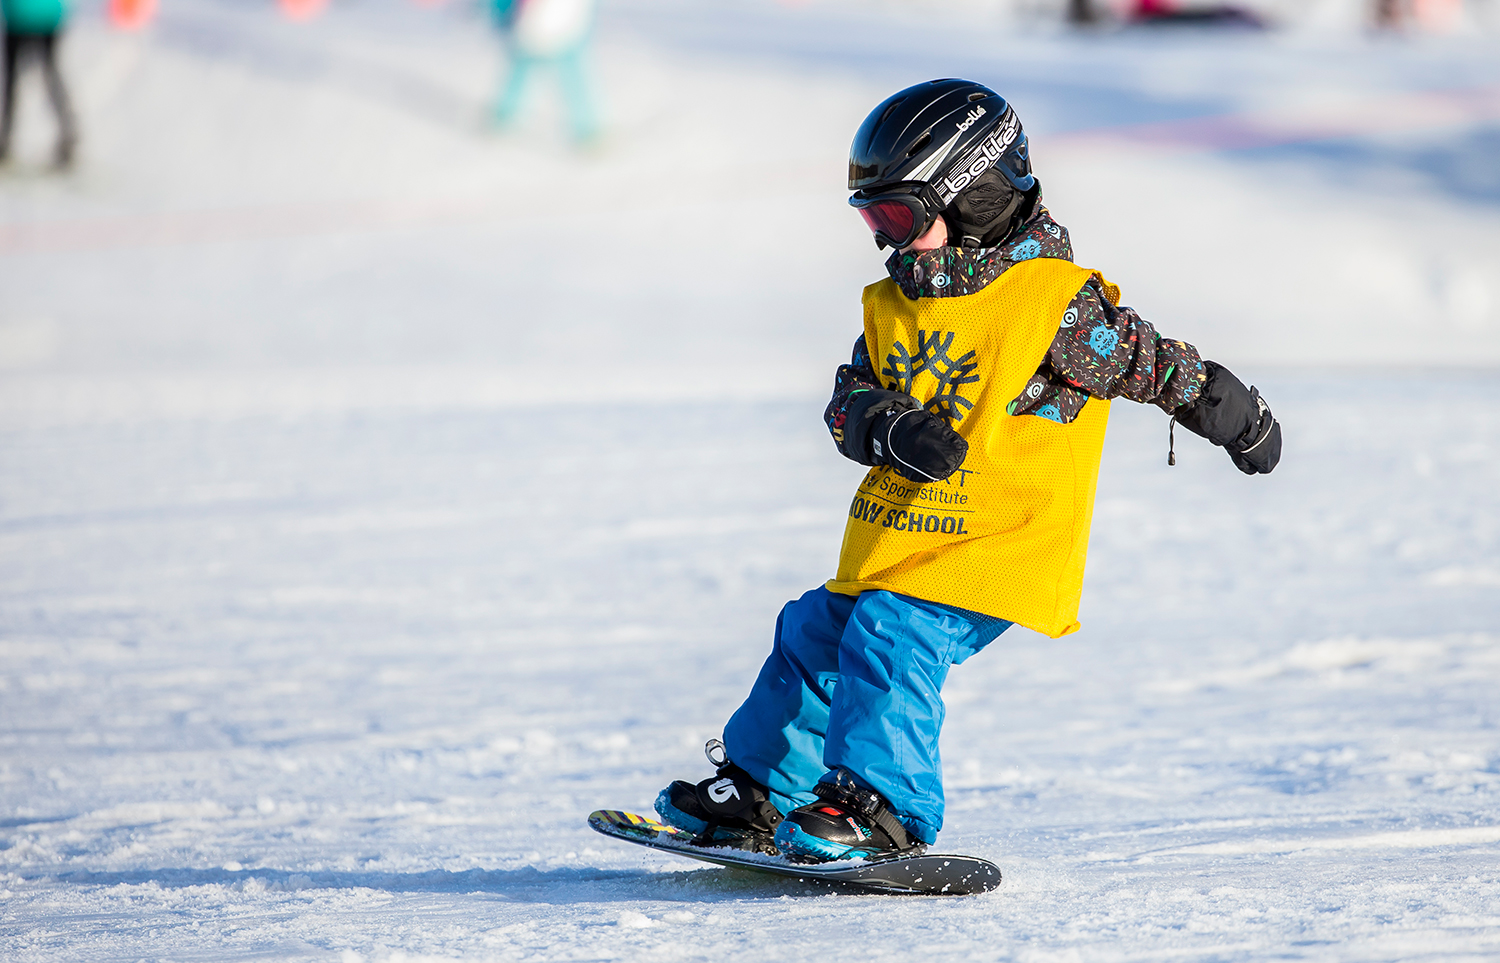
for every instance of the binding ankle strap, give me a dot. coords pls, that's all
(866, 802)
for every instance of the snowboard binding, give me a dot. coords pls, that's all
(847, 822)
(729, 809)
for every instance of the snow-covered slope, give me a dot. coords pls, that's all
(365, 520)
(291, 687)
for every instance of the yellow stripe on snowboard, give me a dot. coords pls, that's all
(632, 824)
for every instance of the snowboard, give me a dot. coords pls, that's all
(925, 874)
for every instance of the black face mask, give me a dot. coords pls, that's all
(986, 212)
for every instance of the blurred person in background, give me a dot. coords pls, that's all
(548, 33)
(1170, 12)
(1081, 11)
(31, 30)
(1432, 16)
(1387, 13)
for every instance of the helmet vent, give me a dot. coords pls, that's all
(977, 95)
(922, 142)
(889, 110)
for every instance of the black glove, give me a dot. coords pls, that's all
(1236, 418)
(891, 428)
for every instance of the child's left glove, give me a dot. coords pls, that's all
(892, 428)
(1236, 418)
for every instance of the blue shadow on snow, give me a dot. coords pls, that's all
(526, 885)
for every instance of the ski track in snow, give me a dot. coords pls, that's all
(354, 549)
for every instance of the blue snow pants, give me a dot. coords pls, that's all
(855, 682)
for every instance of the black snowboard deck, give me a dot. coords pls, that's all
(927, 874)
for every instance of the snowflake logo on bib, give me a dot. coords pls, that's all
(935, 357)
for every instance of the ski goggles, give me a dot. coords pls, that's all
(896, 215)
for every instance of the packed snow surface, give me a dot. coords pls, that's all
(381, 494)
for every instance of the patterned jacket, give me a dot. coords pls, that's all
(1100, 350)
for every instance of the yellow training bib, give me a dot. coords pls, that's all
(1006, 534)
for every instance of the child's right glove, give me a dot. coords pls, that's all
(1236, 418)
(892, 428)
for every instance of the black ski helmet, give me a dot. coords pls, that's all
(926, 144)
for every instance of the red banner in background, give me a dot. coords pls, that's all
(130, 14)
(301, 9)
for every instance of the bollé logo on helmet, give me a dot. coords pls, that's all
(982, 157)
(969, 119)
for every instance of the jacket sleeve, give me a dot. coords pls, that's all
(849, 381)
(1104, 351)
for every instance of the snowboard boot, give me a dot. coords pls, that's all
(847, 822)
(728, 809)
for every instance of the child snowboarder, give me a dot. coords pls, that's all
(978, 394)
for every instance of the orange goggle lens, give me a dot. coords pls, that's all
(895, 220)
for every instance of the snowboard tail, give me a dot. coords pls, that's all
(925, 874)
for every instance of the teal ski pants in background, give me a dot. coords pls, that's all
(572, 80)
